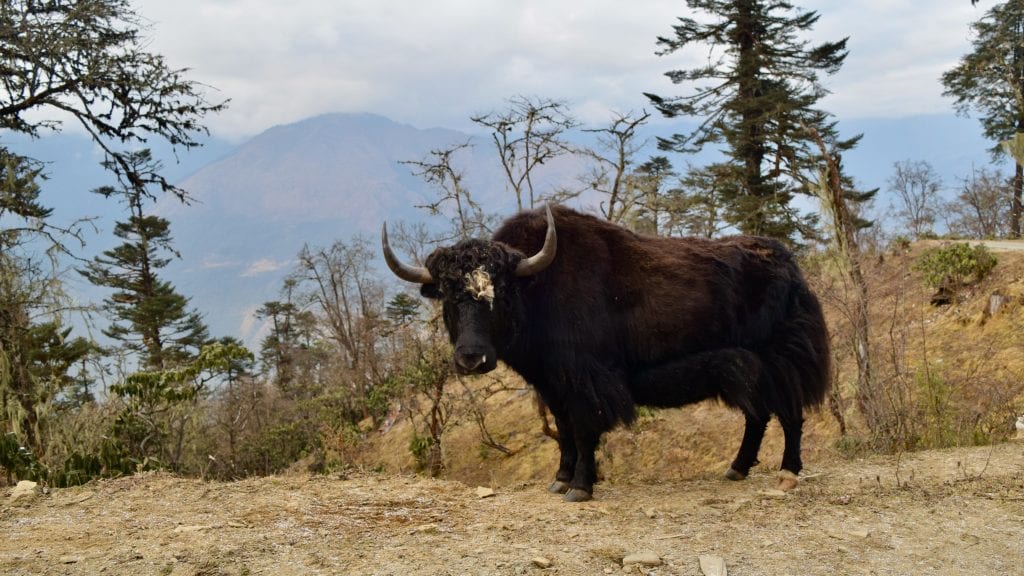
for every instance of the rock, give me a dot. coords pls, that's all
(643, 558)
(26, 489)
(484, 492)
(995, 302)
(541, 562)
(69, 559)
(858, 533)
(425, 529)
(711, 565)
(195, 528)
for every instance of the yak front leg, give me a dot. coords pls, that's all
(567, 456)
(581, 487)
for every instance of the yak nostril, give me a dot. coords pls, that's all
(470, 361)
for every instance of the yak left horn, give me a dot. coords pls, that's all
(542, 259)
(417, 274)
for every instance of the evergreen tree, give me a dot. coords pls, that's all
(87, 61)
(990, 81)
(757, 96)
(148, 315)
(285, 351)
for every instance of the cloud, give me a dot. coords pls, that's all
(263, 266)
(437, 63)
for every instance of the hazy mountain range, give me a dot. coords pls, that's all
(329, 177)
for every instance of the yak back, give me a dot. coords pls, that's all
(643, 300)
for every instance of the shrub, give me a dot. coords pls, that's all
(955, 265)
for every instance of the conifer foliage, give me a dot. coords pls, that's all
(756, 93)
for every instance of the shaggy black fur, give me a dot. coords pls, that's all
(620, 319)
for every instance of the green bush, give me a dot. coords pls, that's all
(955, 265)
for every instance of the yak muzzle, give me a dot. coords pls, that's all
(474, 360)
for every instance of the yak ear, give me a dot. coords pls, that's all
(430, 291)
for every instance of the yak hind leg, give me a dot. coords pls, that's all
(792, 430)
(753, 434)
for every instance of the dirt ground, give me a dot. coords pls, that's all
(956, 511)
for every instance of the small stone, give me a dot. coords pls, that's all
(425, 529)
(643, 558)
(26, 489)
(609, 571)
(196, 528)
(711, 565)
(79, 499)
(484, 492)
(69, 559)
(858, 533)
(651, 513)
(541, 562)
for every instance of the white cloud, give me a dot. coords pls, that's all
(437, 63)
(263, 266)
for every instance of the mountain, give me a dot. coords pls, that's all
(313, 182)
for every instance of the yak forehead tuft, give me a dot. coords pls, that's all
(480, 286)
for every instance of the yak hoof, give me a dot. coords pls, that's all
(558, 487)
(733, 474)
(577, 495)
(787, 480)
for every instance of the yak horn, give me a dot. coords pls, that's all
(416, 274)
(542, 259)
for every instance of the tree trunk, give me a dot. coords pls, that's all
(1018, 191)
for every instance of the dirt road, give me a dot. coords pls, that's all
(942, 512)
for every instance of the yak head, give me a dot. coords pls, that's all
(476, 280)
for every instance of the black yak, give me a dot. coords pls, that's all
(599, 320)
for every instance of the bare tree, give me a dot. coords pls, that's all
(844, 226)
(611, 176)
(527, 135)
(982, 208)
(917, 187)
(350, 301)
(439, 170)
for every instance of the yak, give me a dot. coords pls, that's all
(599, 320)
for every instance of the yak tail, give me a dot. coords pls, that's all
(796, 371)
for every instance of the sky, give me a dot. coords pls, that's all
(437, 63)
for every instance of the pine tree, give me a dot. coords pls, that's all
(149, 317)
(756, 96)
(990, 81)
